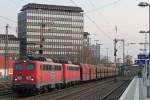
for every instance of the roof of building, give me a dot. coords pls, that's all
(10, 37)
(51, 7)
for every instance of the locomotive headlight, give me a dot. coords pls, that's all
(19, 77)
(15, 79)
(32, 78)
(29, 78)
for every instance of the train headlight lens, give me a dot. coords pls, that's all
(19, 77)
(32, 78)
(29, 78)
(15, 79)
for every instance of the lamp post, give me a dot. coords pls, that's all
(145, 4)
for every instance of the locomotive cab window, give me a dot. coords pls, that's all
(73, 68)
(57, 67)
(19, 67)
(47, 67)
(30, 66)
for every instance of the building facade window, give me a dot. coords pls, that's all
(63, 29)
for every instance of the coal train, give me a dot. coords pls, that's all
(34, 77)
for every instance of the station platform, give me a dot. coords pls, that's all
(136, 90)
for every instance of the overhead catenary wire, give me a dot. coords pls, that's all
(6, 18)
(107, 5)
(13, 2)
(91, 3)
(99, 13)
(97, 26)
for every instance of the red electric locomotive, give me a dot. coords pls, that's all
(71, 74)
(37, 76)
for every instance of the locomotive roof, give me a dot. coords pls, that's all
(52, 63)
(72, 65)
(43, 62)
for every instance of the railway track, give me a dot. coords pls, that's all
(5, 92)
(80, 93)
(96, 93)
(98, 90)
(65, 93)
(88, 93)
(5, 88)
(116, 92)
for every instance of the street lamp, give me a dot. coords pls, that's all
(145, 4)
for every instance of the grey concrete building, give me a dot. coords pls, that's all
(95, 49)
(12, 46)
(58, 28)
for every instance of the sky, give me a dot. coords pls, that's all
(101, 17)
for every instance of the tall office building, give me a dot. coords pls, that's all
(58, 28)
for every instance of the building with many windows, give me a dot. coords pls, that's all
(57, 30)
(95, 50)
(10, 47)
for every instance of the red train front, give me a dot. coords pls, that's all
(37, 76)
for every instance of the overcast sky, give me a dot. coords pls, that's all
(106, 14)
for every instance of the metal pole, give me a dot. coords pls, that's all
(115, 41)
(148, 87)
(107, 56)
(88, 44)
(6, 51)
(123, 55)
(96, 52)
(100, 54)
(107, 61)
(115, 55)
